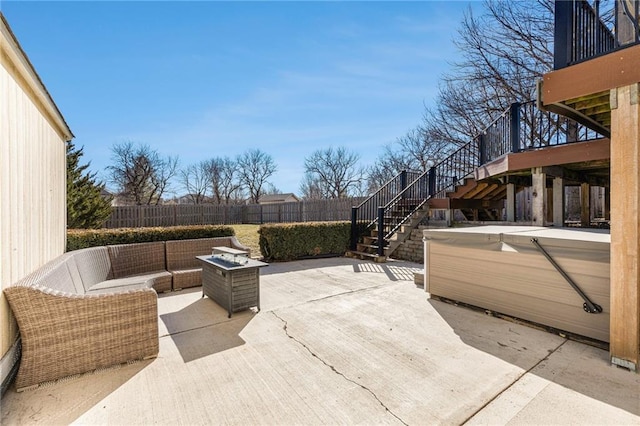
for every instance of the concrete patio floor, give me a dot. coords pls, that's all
(342, 341)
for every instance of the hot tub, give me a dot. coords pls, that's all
(500, 269)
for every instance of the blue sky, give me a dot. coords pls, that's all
(212, 79)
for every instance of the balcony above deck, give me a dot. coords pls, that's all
(581, 162)
(594, 51)
(582, 91)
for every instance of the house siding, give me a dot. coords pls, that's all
(32, 176)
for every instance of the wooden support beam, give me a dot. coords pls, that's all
(578, 152)
(625, 228)
(448, 217)
(439, 203)
(549, 207)
(460, 190)
(538, 196)
(597, 202)
(558, 202)
(488, 190)
(596, 75)
(462, 203)
(590, 102)
(490, 214)
(498, 193)
(511, 202)
(427, 264)
(575, 176)
(585, 205)
(481, 186)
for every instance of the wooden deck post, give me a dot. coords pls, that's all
(558, 202)
(427, 264)
(585, 205)
(538, 196)
(625, 227)
(549, 208)
(511, 202)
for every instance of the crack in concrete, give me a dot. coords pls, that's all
(333, 368)
(330, 296)
(514, 382)
(357, 290)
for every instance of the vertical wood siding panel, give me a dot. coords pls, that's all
(8, 325)
(33, 192)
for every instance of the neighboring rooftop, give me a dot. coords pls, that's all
(341, 341)
(278, 198)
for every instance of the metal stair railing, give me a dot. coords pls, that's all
(413, 197)
(436, 180)
(519, 128)
(364, 215)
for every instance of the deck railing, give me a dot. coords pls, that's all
(366, 213)
(520, 128)
(539, 129)
(581, 34)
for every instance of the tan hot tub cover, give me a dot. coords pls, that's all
(498, 268)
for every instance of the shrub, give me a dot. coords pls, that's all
(82, 238)
(290, 241)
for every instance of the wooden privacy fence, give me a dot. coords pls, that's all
(210, 214)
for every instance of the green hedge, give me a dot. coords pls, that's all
(82, 238)
(290, 241)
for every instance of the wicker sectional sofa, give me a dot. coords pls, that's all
(97, 307)
(185, 269)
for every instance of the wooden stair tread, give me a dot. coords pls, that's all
(373, 246)
(363, 255)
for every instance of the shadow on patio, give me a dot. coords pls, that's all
(202, 328)
(573, 365)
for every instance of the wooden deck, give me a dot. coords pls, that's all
(585, 160)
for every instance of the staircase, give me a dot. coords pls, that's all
(384, 221)
(415, 210)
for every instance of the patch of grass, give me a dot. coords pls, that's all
(248, 236)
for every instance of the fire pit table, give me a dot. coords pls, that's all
(231, 279)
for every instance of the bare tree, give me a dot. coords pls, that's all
(164, 169)
(140, 175)
(311, 188)
(334, 172)
(223, 179)
(416, 151)
(271, 189)
(254, 168)
(503, 52)
(388, 164)
(195, 179)
(421, 149)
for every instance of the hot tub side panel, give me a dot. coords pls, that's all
(523, 285)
